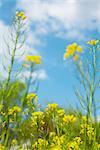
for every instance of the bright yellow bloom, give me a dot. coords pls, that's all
(37, 117)
(73, 50)
(20, 15)
(52, 134)
(93, 42)
(79, 49)
(84, 118)
(89, 130)
(40, 144)
(52, 106)
(69, 119)
(76, 57)
(33, 58)
(15, 109)
(60, 112)
(31, 96)
(66, 55)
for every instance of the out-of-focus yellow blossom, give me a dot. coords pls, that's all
(66, 55)
(58, 141)
(60, 112)
(52, 134)
(53, 106)
(89, 130)
(14, 142)
(79, 49)
(93, 42)
(33, 58)
(69, 119)
(73, 50)
(74, 144)
(40, 144)
(20, 15)
(2, 147)
(37, 117)
(31, 96)
(76, 57)
(84, 118)
(15, 109)
(78, 140)
(38, 114)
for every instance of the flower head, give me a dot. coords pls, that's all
(15, 109)
(20, 15)
(93, 42)
(31, 96)
(72, 50)
(33, 58)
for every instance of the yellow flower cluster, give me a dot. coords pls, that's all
(60, 112)
(31, 96)
(2, 147)
(37, 117)
(40, 144)
(33, 58)
(20, 15)
(74, 145)
(15, 109)
(58, 141)
(93, 42)
(89, 130)
(52, 106)
(84, 119)
(69, 119)
(52, 134)
(73, 50)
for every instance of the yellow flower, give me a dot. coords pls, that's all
(69, 119)
(79, 49)
(66, 55)
(37, 118)
(20, 15)
(72, 50)
(15, 109)
(33, 58)
(53, 106)
(76, 57)
(40, 144)
(93, 42)
(52, 134)
(84, 118)
(31, 96)
(60, 112)
(14, 142)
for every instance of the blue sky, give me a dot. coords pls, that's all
(53, 25)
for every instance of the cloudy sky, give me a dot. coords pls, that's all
(52, 25)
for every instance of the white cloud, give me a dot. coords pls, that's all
(40, 74)
(72, 17)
